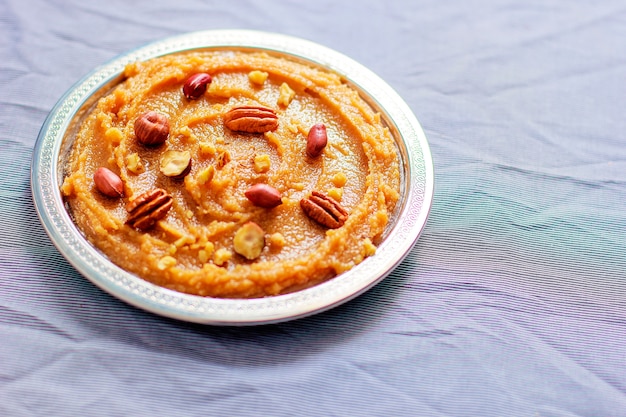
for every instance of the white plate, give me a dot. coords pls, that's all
(405, 227)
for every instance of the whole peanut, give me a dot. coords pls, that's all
(196, 85)
(263, 195)
(316, 140)
(108, 182)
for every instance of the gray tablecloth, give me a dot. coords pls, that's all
(512, 303)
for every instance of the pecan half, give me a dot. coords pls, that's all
(324, 210)
(251, 119)
(150, 207)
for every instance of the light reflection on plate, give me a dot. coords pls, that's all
(404, 229)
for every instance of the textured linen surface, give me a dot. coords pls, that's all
(512, 303)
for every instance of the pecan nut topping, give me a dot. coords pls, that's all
(150, 207)
(251, 119)
(324, 210)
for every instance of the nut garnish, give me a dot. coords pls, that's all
(249, 240)
(251, 119)
(150, 207)
(206, 175)
(134, 164)
(114, 135)
(316, 140)
(262, 163)
(223, 157)
(257, 77)
(324, 210)
(277, 240)
(335, 193)
(339, 179)
(152, 128)
(108, 182)
(286, 94)
(207, 149)
(263, 195)
(175, 164)
(196, 85)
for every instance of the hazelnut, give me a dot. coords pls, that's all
(152, 128)
(316, 140)
(196, 85)
(108, 182)
(249, 240)
(175, 164)
(263, 195)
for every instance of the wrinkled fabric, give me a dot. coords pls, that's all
(512, 302)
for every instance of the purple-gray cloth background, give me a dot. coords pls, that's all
(512, 303)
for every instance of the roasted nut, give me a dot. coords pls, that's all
(263, 195)
(150, 207)
(277, 240)
(324, 210)
(251, 119)
(152, 128)
(175, 164)
(108, 182)
(286, 94)
(249, 240)
(316, 140)
(262, 163)
(257, 77)
(223, 157)
(339, 179)
(133, 163)
(113, 135)
(206, 175)
(196, 85)
(335, 193)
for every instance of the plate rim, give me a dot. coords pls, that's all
(89, 262)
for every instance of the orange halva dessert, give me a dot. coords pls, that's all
(233, 174)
